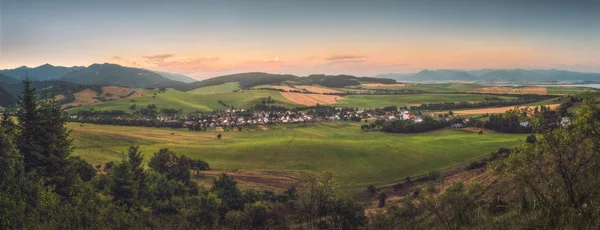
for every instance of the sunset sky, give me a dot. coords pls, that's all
(207, 38)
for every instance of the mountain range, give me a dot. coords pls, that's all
(496, 75)
(101, 74)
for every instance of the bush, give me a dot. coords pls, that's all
(476, 165)
(219, 136)
(480, 132)
(372, 190)
(382, 197)
(433, 175)
(397, 186)
(531, 139)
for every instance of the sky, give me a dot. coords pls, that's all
(207, 38)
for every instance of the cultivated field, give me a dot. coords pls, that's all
(317, 89)
(223, 88)
(311, 99)
(357, 158)
(89, 96)
(513, 90)
(374, 101)
(491, 110)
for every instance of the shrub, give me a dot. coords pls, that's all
(433, 175)
(372, 189)
(531, 139)
(382, 197)
(476, 165)
(480, 132)
(219, 136)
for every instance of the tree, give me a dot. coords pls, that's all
(321, 205)
(124, 187)
(136, 160)
(226, 189)
(168, 163)
(560, 170)
(382, 197)
(43, 139)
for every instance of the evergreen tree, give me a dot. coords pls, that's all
(28, 117)
(124, 187)
(136, 160)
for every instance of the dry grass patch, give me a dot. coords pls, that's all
(259, 180)
(317, 89)
(89, 96)
(513, 90)
(311, 99)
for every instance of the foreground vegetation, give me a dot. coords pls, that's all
(552, 178)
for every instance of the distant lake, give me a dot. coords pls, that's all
(596, 86)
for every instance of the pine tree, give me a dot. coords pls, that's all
(124, 187)
(27, 115)
(136, 160)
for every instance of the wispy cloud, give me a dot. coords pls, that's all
(344, 57)
(157, 59)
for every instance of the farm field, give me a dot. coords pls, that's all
(311, 99)
(513, 90)
(490, 110)
(195, 102)
(317, 89)
(223, 88)
(358, 159)
(372, 101)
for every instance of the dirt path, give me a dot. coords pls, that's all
(311, 99)
(262, 127)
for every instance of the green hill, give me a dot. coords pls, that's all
(189, 102)
(112, 74)
(222, 88)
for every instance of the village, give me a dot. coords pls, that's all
(243, 117)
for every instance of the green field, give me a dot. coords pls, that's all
(194, 102)
(372, 101)
(570, 90)
(358, 159)
(437, 88)
(223, 88)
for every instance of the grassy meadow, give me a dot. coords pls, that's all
(357, 158)
(223, 88)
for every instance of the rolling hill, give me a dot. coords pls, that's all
(44, 72)
(7, 80)
(112, 74)
(491, 75)
(175, 77)
(6, 98)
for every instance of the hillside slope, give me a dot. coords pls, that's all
(44, 72)
(112, 74)
(7, 80)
